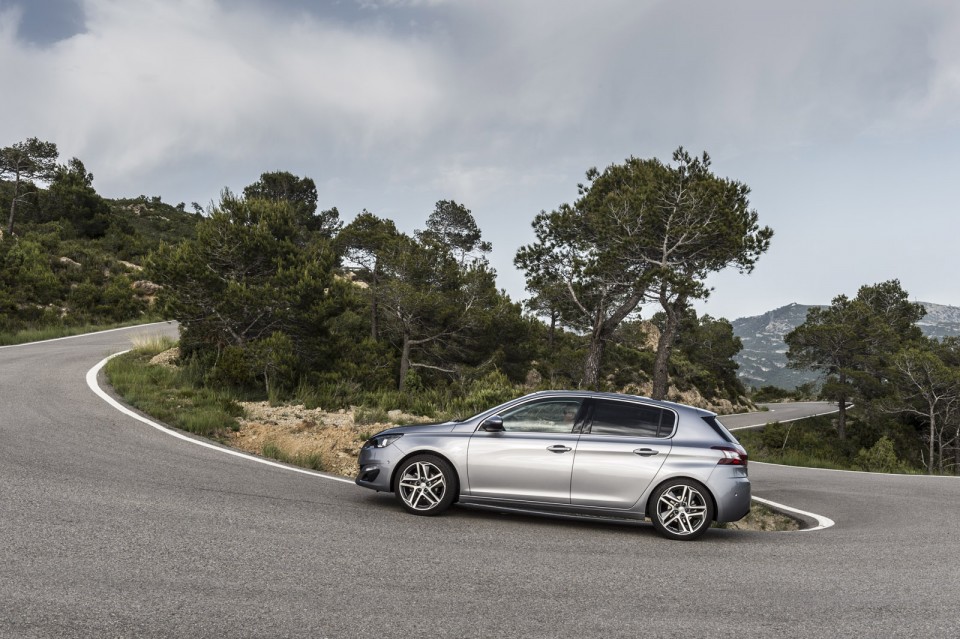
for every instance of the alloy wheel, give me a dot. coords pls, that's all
(422, 486)
(682, 510)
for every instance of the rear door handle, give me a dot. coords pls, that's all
(645, 452)
(558, 448)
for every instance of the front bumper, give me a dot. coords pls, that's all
(376, 468)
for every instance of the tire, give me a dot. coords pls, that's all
(681, 509)
(426, 485)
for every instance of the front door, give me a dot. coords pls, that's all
(532, 459)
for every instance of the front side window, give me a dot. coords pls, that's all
(545, 416)
(631, 420)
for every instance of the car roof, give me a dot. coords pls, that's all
(680, 408)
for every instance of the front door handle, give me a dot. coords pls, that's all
(645, 452)
(559, 448)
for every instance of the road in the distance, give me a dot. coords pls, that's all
(109, 528)
(781, 412)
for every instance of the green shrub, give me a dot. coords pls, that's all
(880, 458)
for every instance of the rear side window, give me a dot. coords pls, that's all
(631, 420)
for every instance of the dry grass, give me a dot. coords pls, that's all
(155, 343)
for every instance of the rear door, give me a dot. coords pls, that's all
(623, 446)
(532, 459)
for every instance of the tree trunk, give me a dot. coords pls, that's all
(13, 209)
(13, 202)
(842, 413)
(933, 430)
(553, 329)
(404, 360)
(661, 376)
(591, 371)
(374, 310)
(602, 330)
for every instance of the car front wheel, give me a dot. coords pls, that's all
(426, 485)
(681, 509)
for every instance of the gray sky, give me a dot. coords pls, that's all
(842, 116)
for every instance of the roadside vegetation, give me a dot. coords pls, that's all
(814, 443)
(278, 300)
(70, 260)
(904, 388)
(172, 394)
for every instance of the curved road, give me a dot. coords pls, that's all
(110, 528)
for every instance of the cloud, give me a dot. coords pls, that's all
(152, 80)
(467, 86)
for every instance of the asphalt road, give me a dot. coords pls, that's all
(110, 528)
(778, 413)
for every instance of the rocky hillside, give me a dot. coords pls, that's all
(763, 360)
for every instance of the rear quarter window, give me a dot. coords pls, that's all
(720, 429)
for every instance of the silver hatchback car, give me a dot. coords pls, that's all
(575, 453)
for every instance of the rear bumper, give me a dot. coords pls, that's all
(732, 493)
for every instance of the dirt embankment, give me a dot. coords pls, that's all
(297, 433)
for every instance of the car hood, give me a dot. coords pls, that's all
(444, 427)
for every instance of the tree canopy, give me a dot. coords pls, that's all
(254, 271)
(641, 230)
(301, 194)
(853, 341)
(25, 161)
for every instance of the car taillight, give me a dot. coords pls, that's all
(731, 456)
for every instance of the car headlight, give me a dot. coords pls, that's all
(381, 441)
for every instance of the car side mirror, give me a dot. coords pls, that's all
(493, 424)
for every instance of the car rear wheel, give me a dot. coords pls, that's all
(426, 485)
(681, 509)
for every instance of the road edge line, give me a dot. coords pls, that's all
(95, 387)
(778, 421)
(108, 330)
(822, 522)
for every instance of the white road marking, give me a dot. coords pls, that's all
(92, 383)
(110, 330)
(779, 421)
(822, 522)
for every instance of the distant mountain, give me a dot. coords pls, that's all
(763, 360)
(940, 321)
